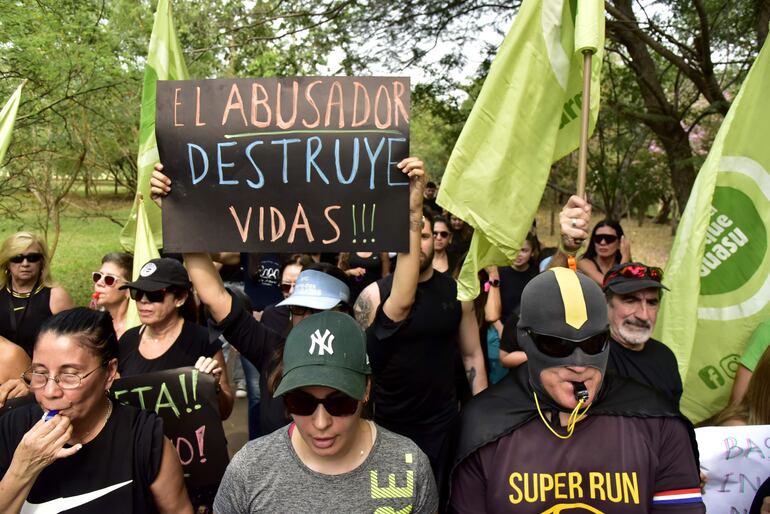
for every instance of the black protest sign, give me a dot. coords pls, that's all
(302, 164)
(187, 402)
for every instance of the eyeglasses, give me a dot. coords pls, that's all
(109, 280)
(304, 404)
(152, 296)
(560, 348)
(36, 380)
(605, 239)
(441, 233)
(30, 257)
(286, 287)
(637, 271)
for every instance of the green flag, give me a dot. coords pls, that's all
(719, 267)
(7, 120)
(526, 117)
(144, 251)
(164, 62)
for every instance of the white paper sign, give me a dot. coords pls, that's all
(736, 461)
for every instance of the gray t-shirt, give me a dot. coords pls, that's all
(267, 476)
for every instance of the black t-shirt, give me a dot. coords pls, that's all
(373, 267)
(193, 342)
(654, 366)
(263, 279)
(614, 464)
(117, 467)
(509, 340)
(512, 283)
(262, 347)
(414, 360)
(20, 318)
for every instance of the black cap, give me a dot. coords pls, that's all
(160, 273)
(629, 277)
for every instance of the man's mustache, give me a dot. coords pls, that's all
(640, 323)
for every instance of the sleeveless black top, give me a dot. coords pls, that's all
(20, 318)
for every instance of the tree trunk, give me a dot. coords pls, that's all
(763, 18)
(660, 115)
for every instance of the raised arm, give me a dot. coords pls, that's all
(470, 349)
(407, 273)
(574, 219)
(204, 276)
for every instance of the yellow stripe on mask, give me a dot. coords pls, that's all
(575, 313)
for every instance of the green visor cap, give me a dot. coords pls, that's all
(326, 349)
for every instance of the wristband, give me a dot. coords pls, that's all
(491, 283)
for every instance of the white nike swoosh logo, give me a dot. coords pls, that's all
(61, 504)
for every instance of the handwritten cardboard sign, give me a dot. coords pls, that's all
(736, 462)
(299, 164)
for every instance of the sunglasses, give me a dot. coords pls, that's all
(109, 280)
(605, 239)
(286, 288)
(30, 257)
(637, 271)
(560, 348)
(152, 296)
(441, 233)
(304, 404)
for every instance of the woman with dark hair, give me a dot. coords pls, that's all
(443, 260)
(115, 271)
(28, 295)
(169, 337)
(75, 449)
(330, 456)
(608, 247)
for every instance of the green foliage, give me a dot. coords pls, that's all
(87, 239)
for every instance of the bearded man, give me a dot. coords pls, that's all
(633, 292)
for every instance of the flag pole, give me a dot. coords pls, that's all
(584, 119)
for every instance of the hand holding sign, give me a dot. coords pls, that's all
(160, 185)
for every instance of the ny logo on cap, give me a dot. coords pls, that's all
(323, 342)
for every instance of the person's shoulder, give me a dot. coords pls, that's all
(130, 335)
(397, 441)
(660, 348)
(261, 451)
(23, 416)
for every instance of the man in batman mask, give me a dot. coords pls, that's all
(557, 435)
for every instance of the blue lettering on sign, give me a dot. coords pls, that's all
(256, 168)
(285, 170)
(190, 147)
(354, 170)
(311, 155)
(221, 164)
(373, 158)
(391, 163)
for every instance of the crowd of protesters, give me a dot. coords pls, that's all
(371, 387)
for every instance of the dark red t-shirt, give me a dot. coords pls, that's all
(610, 464)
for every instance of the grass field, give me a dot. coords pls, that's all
(88, 233)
